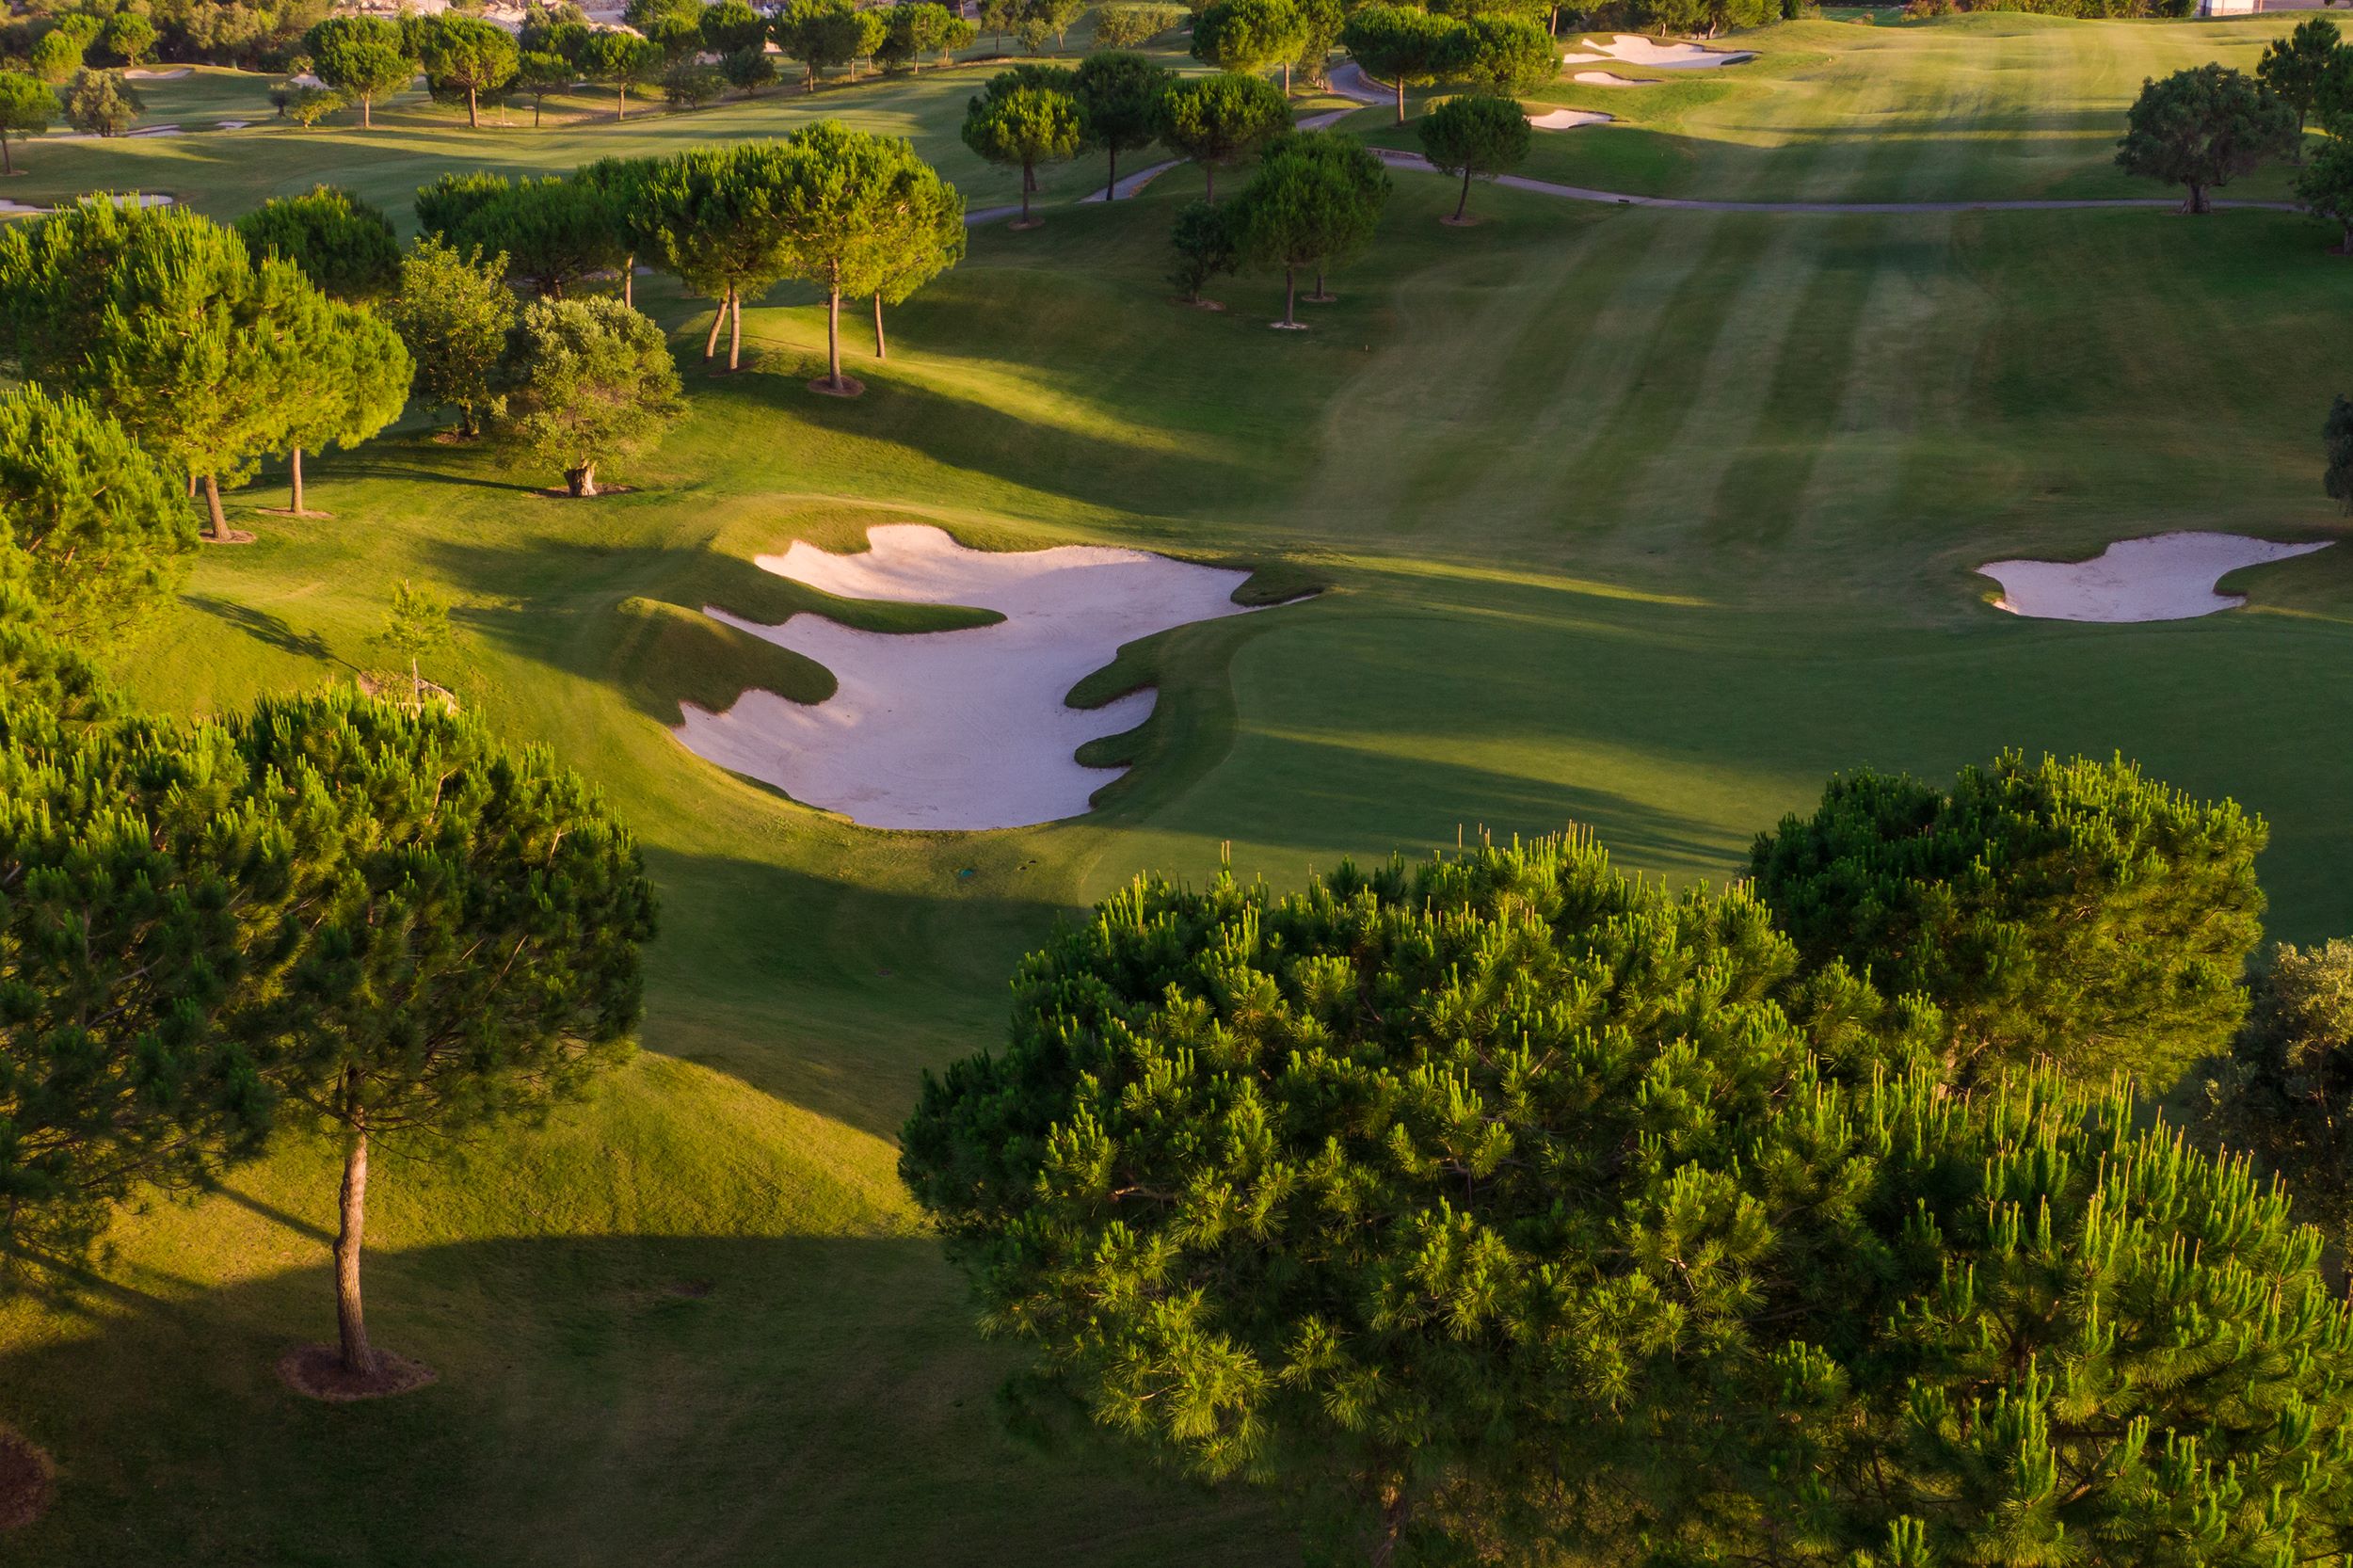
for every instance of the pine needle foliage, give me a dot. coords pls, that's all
(2075, 909)
(1533, 1215)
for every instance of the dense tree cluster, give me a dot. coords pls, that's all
(1503, 1208)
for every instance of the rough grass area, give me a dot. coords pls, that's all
(1646, 519)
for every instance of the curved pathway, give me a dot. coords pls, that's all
(1349, 81)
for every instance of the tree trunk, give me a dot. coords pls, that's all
(219, 525)
(711, 343)
(474, 114)
(1401, 98)
(367, 106)
(735, 329)
(8, 164)
(629, 279)
(880, 352)
(1287, 78)
(1290, 297)
(581, 481)
(538, 105)
(833, 329)
(1025, 194)
(359, 1359)
(296, 473)
(1208, 181)
(2196, 198)
(621, 102)
(1464, 202)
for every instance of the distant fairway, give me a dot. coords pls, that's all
(1645, 519)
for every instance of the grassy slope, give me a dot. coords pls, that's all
(1645, 519)
(1959, 109)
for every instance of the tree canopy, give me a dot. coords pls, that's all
(554, 232)
(364, 57)
(1221, 120)
(1248, 36)
(622, 59)
(91, 525)
(1119, 96)
(1124, 27)
(715, 218)
(163, 319)
(2295, 67)
(1476, 135)
(1307, 210)
(1024, 127)
(2204, 128)
(468, 953)
(344, 244)
(28, 106)
(587, 382)
(2337, 438)
(101, 104)
(451, 312)
(1404, 45)
(2324, 186)
(2074, 910)
(1539, 1215)
(464, 58)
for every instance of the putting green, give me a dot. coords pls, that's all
(1648, 520)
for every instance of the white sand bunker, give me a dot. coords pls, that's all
(1610, 79)
(2164, 577)
(1634, 49)
(964, 729)
(140, 74)
(1568, 119)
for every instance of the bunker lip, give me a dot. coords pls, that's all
(2157, 577)
(966, 729)
(1610, 79)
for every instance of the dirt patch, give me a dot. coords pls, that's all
(1197, 304)
(27, 1481)
(234, 535)
(851, 387)
(317, 1371)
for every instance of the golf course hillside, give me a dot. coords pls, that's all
(616, 792)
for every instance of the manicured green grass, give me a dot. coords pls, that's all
(1645, 519)
(1963, 109)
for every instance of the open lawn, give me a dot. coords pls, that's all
(1645, 519)
(1965, 109)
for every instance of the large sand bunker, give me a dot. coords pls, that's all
(1568, 119)
(956, 729)
(1610, 79)
(1634, 49)
(2164, 577)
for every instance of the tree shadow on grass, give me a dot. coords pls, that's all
(714, 1401)
(269, 629)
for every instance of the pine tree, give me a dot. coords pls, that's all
(2072, 909)
(1519, 1212)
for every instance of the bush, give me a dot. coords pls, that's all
(690, 85)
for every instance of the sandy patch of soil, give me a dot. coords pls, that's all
(317, 1371)
(961, 729)
(1568, 119)
(1634, 49)
(27, 1481)
(2164, 577)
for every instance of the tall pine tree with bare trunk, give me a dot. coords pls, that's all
(469, 929)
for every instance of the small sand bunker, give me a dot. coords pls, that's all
(2164, 577)
(1634, 49)
(140, 74)
(1568, 119)
(1609, 79)
(957, 730)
